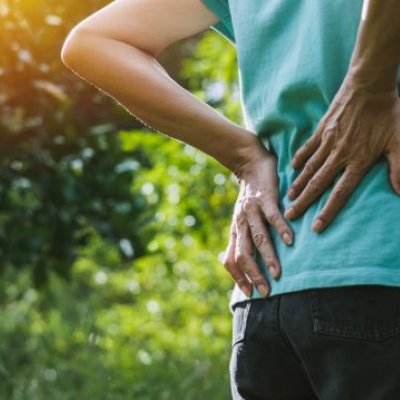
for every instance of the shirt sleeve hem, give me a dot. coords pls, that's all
(218, 7)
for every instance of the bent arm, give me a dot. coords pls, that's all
(115, 49)
(376, 56)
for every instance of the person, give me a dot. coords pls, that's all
(316, 305)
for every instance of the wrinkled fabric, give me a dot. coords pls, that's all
(292, 58)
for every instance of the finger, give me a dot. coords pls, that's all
(310, 169)
(393, 158)
(275, 218)
(305, 151)
(233, 269)
(338, 198)
(315, 187)
(244, 258)
(262, 240)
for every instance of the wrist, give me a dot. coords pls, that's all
(373, 79)
(245, 155)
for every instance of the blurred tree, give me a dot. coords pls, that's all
(62, 166)
(156, 330)
(84, 194)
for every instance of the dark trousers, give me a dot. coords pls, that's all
(337, 343)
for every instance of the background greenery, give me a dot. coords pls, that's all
(110, 234)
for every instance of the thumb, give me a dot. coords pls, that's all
(393, 158)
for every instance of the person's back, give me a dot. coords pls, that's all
(330, 328)
(293, 57)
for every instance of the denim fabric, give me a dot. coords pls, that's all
(337, 343)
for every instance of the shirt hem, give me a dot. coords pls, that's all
(317, 279)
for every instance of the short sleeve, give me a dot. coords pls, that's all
(224, 26)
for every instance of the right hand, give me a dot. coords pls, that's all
(256, 206)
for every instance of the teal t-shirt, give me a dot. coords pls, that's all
(292, 57)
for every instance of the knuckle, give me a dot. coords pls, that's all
(331, 127)
(357, 167)
(308, 143)
(228, 263)
(258, 196)
(314, 185)
(296, 186)
(259, 239)
(273, 217)
(272, 214)
(248, 204)
(328, 141)
(336, 160)
(309, 168)
(245, 205)
(340, 193)
(345, 143)
(241, 218)
(241, 258)
(267, 196)
(333, 161)
(238, 258)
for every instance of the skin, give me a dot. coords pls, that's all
(357, 129)
(120, 40)
(115, 50)
(361, 124)
(256, 207)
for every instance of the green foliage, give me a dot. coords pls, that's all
(62, 168)
(157, 328)
(212, 75)
(134, 219)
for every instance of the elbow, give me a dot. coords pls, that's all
(70, 49)
(74, 48)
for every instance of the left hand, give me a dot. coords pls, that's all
(358, 127)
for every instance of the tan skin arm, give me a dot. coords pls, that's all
(361, 124)
(115, 49)
(118, 45)
(376, 56)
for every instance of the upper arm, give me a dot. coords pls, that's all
(150, 25)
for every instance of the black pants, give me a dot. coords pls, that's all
(337, 343)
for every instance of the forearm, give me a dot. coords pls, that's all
(138, 82)
(376, 55)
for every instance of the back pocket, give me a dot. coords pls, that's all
(359, 312)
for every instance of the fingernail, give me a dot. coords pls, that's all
(273, 271)
(291, 193)
(287, 239)
(289, 213)
(262, 290)
(318, 225)
(246, 290)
